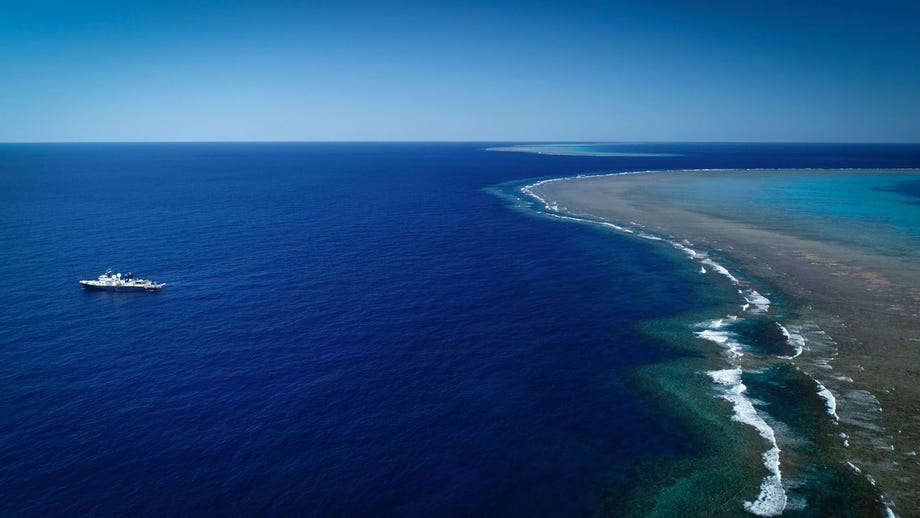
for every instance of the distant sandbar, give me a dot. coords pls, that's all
(576, 150)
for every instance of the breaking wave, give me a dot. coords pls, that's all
(771, 501)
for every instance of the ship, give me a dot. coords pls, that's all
(109, 281)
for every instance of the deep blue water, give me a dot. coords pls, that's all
(346, 329)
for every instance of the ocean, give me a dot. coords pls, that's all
(360, 328)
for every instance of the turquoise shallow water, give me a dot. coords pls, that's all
(863, 208)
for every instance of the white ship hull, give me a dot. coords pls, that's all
(115, 282)
(94, 285)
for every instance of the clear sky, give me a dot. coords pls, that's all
(460, 70)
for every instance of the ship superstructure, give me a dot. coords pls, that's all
(109, 281)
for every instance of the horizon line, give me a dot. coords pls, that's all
(452, 141)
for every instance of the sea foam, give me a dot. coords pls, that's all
(755, 302)
(794, 339)
(829, 400)
(771, 501)
(718, 268)
(714, 331)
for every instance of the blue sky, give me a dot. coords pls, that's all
(590, 71)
